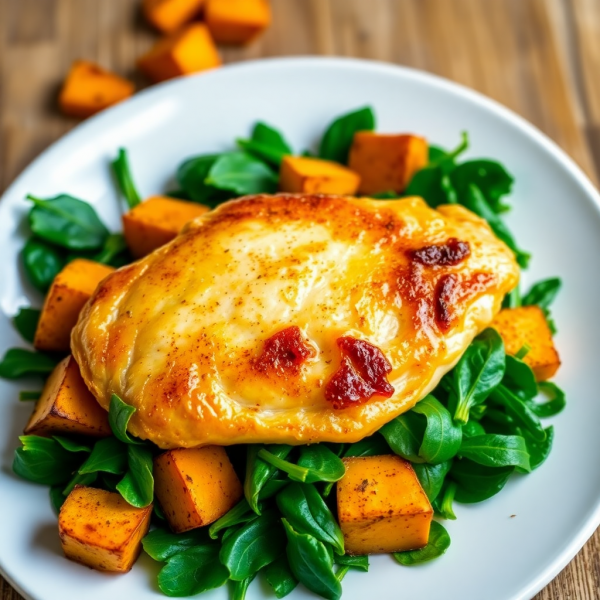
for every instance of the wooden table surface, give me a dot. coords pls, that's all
(541, 58)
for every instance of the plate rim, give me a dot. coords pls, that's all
(564, 557)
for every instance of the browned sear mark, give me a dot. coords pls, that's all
(451, 252)
(284, 352)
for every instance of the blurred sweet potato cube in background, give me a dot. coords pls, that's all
(89, 89)
(237, 21)
(169, 15)
(68, 293)
(316, 176)
(186, 51)
(67, 406)
(195, 486)
(382, 507)
(527, 326)
(101, 530)
(386, 162)
(157, 221)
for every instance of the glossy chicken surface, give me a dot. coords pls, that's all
(292, 318)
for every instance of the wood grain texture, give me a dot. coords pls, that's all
(541, 58)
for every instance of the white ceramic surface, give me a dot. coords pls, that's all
(556, 216)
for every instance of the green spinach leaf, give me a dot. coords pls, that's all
(443, 504)
(267, 144)
(431, 477)
(71, 445)
(311, 563)
(338, 137)
(472, 427)
(518, 411)
(109, 455)
(119, 414)
(489, 176)
(552, 407)
(492, 450)
(122, 172)
(67, 222)
(439, 542)
(192, 175)
(307, 512)
(519, 377)
(280, 577)
(239, 589)
(161, 544)
(543, 293)
(44, 460)
(404, 435)
(259, 472)
(114, 251)
(316, 463)
(539, 450)
(478, 372)
(272, 488)
(42, 262)
(137, 487)
(240, 513)
(253, 546)
(475, 201)
(243, 174)
(442, 437)
(86, 479)
(433, 182)
(26, 321)
(57, 498)
(476, 482)
(374, 445)
(192, 572)
(355, 562)
(18, 363)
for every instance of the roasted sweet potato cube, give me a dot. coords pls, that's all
(316, 176)
(169, 15)
(237, 21)
(157, 221)
(67, 406)
(101, 530)
(386, 162)
(89, 89)
(68, 293)
(527, 325)
(381, 506)
(186, 51)
(195, 486)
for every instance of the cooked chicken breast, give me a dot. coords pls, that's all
(292, 319)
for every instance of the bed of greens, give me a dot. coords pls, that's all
(482, 425)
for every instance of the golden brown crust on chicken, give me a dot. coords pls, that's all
(180, 333)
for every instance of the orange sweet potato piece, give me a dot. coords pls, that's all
(170, 15)
(89, 89)
(68, 293)
(527, 325)
(67, 406)
(386, 162)
(237, 21)
(157, 221)
(101, 530)
(195, 486)
(186, 51)
(316, 176)
(381, 506)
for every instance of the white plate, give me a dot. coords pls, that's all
(505, 549)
